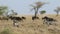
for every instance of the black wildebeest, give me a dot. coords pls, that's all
(48, 20)
(33, 18)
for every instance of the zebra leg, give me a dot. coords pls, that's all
(16, 24)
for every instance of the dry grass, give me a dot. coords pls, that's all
(32, 27)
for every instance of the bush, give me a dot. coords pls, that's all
(42, 12)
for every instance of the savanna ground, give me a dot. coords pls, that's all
(32, 27)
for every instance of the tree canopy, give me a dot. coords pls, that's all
(37, 6)
(3, 9)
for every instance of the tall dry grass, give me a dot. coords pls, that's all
(32, 27)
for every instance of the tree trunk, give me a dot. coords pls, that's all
(36, 11)
(57, 13)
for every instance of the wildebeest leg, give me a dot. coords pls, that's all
(13, 24)
(17, 25)
(44, 21)
(49, 23)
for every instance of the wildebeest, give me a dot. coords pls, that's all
(48, 20)
(15, 18)
(33, 18)
(23, 17)
(4, 18)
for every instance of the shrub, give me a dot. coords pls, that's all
(42, 12)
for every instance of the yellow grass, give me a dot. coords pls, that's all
(32, 27)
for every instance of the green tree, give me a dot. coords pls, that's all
(42, 12)
(57, 10)
(37, 6)
(3, 9)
